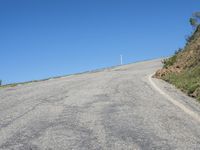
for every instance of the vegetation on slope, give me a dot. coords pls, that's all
(188, 81)
(183, 68)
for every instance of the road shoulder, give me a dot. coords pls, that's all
(189, 105)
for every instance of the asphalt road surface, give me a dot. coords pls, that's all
(116, 108)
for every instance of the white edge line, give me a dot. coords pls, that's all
(175, 102)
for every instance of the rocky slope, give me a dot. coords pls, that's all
(183, 68)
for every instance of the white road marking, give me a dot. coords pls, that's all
(175, 102)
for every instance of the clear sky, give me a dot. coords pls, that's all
(45, 38)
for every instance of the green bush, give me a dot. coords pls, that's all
(170, 61)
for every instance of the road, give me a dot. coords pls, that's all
(116, 108)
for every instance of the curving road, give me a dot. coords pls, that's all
(116, 108)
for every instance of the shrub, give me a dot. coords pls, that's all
(170, 61)
(178, 51)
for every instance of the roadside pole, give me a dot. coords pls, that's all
(121, 59)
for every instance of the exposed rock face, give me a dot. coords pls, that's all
(187, 58)
(162, 72)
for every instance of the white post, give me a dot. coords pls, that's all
(121, 60)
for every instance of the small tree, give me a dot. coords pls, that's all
(193, 22)
(0, 82)
(195, 19)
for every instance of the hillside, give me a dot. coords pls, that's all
(183, 68)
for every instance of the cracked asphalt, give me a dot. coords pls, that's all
(115, 108)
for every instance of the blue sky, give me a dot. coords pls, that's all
(44, 38)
